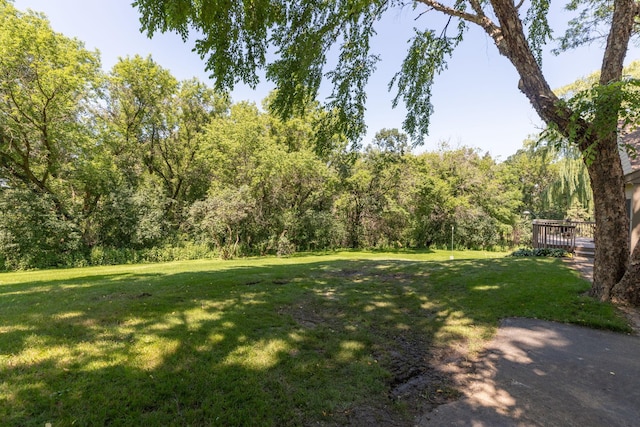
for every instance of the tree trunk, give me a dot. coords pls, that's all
(628, 289)
(612, 223)
(607, 177)
(605, 172)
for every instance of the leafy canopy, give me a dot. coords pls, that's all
(293, 42)
(595, 103)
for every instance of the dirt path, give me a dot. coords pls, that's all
(582, 265)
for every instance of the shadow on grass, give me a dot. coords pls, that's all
(291, 343)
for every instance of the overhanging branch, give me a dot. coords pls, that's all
(451, 11)
(479, 18)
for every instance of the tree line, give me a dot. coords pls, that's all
(234, 39)
(132, 164)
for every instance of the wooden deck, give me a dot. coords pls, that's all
(572, 236)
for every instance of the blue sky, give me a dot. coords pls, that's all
(476, 99)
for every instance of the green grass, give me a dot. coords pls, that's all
(265, 341)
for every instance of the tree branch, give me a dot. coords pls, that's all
(479, 18)
(475, 5)
(618, 40)
(532, 81)
(451, 11)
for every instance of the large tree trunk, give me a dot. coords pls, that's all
(612, 223)
(628, 289)
(607, 177)
(605, 171)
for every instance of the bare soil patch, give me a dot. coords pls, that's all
(633, 316)
(417, 383)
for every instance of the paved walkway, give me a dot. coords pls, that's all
(583, 265)
(539, 373)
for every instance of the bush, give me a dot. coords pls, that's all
(111, 256)
(546, 252)
(285, 247)
(100, 255)
(34, 234)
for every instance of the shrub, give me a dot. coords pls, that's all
(101, 255)
(33, 232)
(546, 252)
(285, 247)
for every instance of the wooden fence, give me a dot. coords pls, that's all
(560, 234)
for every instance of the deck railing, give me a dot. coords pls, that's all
(554, 234)
(572, 236)
(584, 228)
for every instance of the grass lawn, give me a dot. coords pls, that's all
(331, 339)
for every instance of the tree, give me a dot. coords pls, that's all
(571, 189)
(236, 37)
(288, 183)
(391, 141)
(154, 125)
(32, 233)
(464, 189)
(178, 158)
(139, 93)
(573, 184)
(50, 166)
(46, 83)
(219, 219)
(551, 181)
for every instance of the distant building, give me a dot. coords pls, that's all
(631, 168)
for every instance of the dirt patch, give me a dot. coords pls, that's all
(413, 375)
(306, 316)
(368, 415)
(420, 378)
(416, 386)
(417, 381)
(633, 316)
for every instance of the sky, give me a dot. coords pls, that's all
(476, 99)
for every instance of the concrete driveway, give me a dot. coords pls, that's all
(539, 373)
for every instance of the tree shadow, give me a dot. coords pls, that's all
(337, 342)
(546, 373)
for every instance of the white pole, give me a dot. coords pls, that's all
(451, 257)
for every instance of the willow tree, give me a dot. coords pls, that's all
(235, 38)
